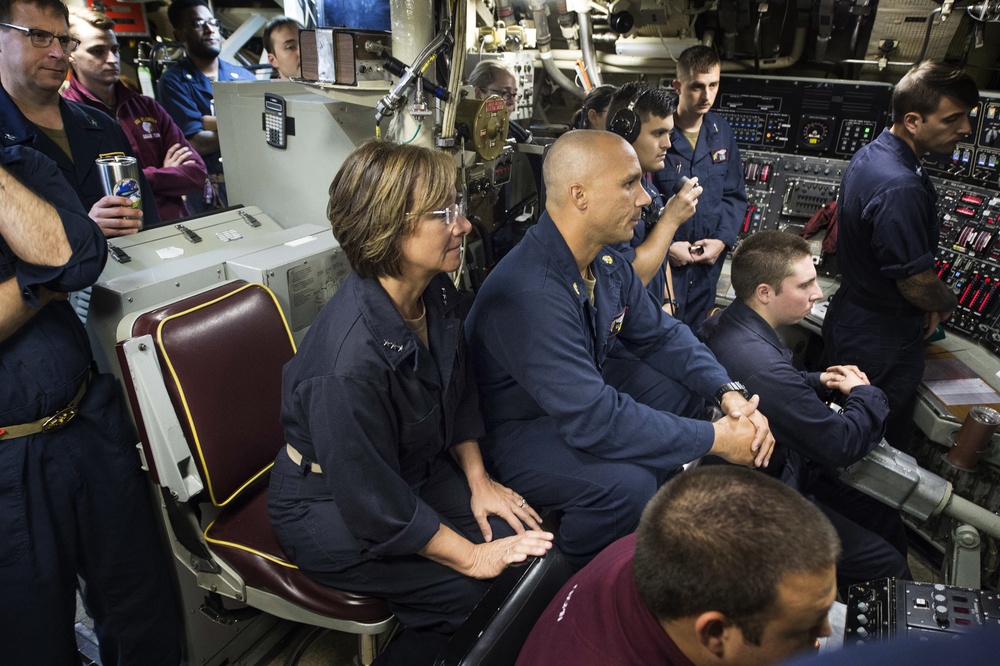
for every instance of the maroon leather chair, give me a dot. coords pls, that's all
(203, 375)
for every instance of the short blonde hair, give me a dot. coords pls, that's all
(377, 198)
(87, 15)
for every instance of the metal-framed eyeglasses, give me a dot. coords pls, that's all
(201, 23)
(448, 215)
(507, 95)
(43, 38)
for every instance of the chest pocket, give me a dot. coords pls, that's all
(717, 171)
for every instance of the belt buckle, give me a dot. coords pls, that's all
(59, 419)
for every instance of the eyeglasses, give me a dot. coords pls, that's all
(507, 95)
(201, 23)
(43, 38)
(449, 215)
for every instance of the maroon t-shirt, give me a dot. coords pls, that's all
(598, 618)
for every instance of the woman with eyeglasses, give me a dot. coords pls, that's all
(492, 77)
(381, 489)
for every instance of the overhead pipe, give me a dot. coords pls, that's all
(544, 42)
(587, 47)
(631, 64)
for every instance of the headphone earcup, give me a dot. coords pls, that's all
(626, 124)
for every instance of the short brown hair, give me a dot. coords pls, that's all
(696, 59)
(921, 89)
(766, 257)
(274, 24)
(54, 6)
(87, 15)
(722, 538)
(377, 198)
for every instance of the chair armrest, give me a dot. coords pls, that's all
(171, 454)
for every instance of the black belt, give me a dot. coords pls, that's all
(891, 308)
(46, 423)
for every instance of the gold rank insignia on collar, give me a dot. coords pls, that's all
(576, 288)
(607, 259)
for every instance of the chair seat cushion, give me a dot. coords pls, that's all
(242, 536)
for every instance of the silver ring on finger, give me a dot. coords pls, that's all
(521, 505)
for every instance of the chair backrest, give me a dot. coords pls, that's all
(221, 354)
(497, 628)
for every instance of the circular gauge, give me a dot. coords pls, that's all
(814, 132)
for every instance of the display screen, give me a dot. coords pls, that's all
(358, 14)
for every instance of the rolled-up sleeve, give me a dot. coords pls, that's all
(89, 248)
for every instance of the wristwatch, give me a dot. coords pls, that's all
(731, 386)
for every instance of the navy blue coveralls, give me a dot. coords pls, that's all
(186, 94)
(811, 439)
(72, 501)
(379, 412)
(91, 133)
(556, 430)
(721, 208)
(888, 230)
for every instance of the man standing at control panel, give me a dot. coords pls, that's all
(891, 297)
(702, 145)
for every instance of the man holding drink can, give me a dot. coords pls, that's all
(34, 50)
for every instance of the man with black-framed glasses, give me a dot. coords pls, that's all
(185, 91)
(34, 58)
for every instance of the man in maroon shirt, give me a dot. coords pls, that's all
(728, 567)
(172, 167)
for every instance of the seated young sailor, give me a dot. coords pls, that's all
(775, 283)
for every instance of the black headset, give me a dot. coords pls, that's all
(626, 123)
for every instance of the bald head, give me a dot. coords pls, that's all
(594, 189)
(580, 156)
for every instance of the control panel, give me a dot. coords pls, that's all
(905, 609)
(803, 116)
(975, 161)
(968, 258)
(784, 191)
